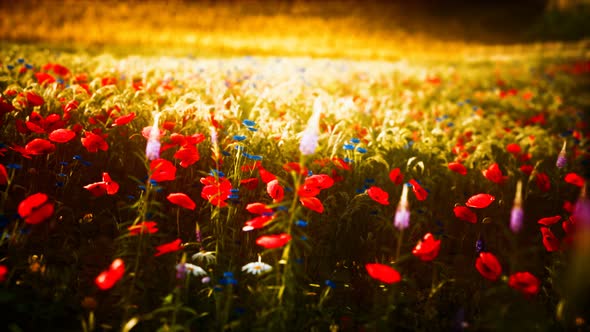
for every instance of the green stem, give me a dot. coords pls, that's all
(399, 244)
(287, 250)
(178, 222)
(139, 250)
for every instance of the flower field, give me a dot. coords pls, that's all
(293, 194)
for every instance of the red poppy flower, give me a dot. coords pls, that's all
(183, 200)
(513, 148)
(168, 247)
(24, 152)
(378, 195)
(106, 186)
(188, 155)
(494, 174)
(162, 170)
(52, 122)
(108, 81)
(525, 283)
(543, 182)
(5, 107)
(3, 175)
(457, 168)
(319, 181)
(295, 167)
(383, 273)
(265, 175)
(250, 183)
(109, 278)
(62, 135)
(527, 169)
(58, 69)
(419, 192)
(124, 119)
(488, 266)
(396, 176)
(258, 208)
(465, 214)
(39, 146)
(550, 242)
(340, 163)
(150, 227)
(480, 201)
(574, 179)
(169, 125)
(21, 127)
(308, 191)
(256, 223)
(568, 226)
(273, 241)
(44, 78)
(93, 142)
(216, 191)
(3, 273)
(35, 208)
(312, 203)
(34, 99)
(568, 207)
(275, 191)
(427, 249)
(548, 221)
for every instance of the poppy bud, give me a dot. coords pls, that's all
(402, 214)
(562, 158)
(517, 214)
(152, 149)
(309, 141)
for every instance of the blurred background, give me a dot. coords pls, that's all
(354, 29)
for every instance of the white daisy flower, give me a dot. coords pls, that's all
(206, 257)
(197, 271)
(257, 267)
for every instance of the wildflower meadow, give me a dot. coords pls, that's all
(152, 193)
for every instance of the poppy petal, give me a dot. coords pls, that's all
(273, 241)
(548, 221)
(383, 273)
(183, 200)
(312, 203)
(465, 214)
(378, 195)
(35, 208)
(480, 201)
(574, 179)
(62, 135)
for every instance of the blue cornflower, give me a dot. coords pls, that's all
(239, 138)
(301, 223)
(361, 150)
(249, 123)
